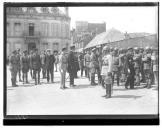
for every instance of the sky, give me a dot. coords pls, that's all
(125, 19)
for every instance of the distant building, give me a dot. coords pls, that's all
(37, 27)
(85, 32)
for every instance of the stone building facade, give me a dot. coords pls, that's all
(37, 27)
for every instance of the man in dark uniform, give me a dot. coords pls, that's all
(137, 61)
(19, 66)
(50, 60)
(115, 67)
(14, 61)
(24, 61)
(43, 60)
(30, 63)
(36, 64)
(71, 65)
(81, 62)
(130, 67)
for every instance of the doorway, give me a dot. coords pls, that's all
(31, 46)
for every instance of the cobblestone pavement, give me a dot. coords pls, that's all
(49, 99)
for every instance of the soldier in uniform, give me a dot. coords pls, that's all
(130, 67)
(30, 64)
(14, 63)
(155, 62)
(63, 67)
(87, 63)
(71, 65)
(147, 66)
(81, 62)
(24, 61)
(36, 64)
(115, 67)
(43, 60)
(137, 62)
(93, 63)
(50, 60)
(19, 66)
(106, 71)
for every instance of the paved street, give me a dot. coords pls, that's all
(49, 99)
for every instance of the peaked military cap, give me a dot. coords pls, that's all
(14, 51)
(129, 48)
(63, 49)
(72, 47)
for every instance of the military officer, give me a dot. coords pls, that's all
(137, 61)
(130, 67)
(14, 63)
(43, 60)
(30, 63)
(81, 62)
(24, 61)
(93, 63)
(63, 67)
(155, 63)
(147, 66)
(36, 64)
(115, 66)
(106, 71)
(19, 66)
(71, 69)
(49, 62)
(87, 63)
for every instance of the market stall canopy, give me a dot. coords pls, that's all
(110, 36)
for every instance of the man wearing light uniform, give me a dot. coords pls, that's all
(107, 71)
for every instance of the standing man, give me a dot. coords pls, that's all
(43, 60)
(130, 67)
(87, 63)
(147, 66)
(115, 67)
(36, 64)
(50, 60)
(63, 67)
(56, 59)
(13, 62)
(81, 62)
(107, 71)
(93, 63)
(19, 66)
(71, 65)
(24, 61)
(137, 61)
(30, 64)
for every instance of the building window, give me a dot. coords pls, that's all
(17, 28)
(55, 46)
(45, 29)
(31, 29)
(44, 46)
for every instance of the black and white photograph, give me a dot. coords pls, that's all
(69, 60)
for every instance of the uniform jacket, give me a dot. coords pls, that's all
(14, 62)
(36, 62)
(24, 61)
(50, 60)
(130, 63)
(87, 60)
(147, 61)
(72, 67)
(137, 60)
(63, 62)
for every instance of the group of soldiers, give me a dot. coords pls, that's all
(131, 66)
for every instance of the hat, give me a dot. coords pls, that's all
(48, 50)
(63, 49)
(129, 48)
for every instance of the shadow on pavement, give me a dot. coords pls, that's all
(126, 96)
(83, 86)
